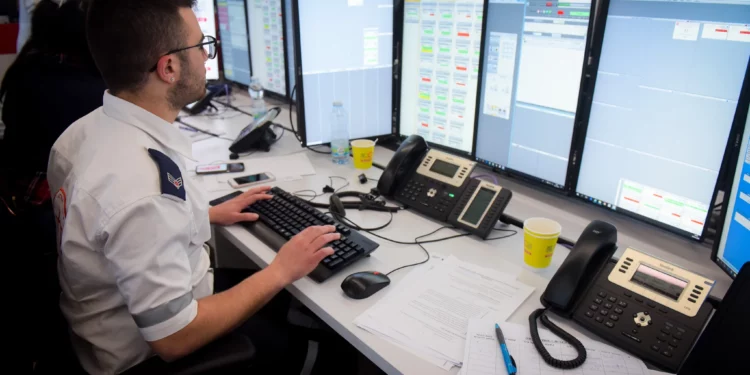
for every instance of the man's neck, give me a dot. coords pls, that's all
(157, 106)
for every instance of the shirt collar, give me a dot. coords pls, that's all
(164, 132)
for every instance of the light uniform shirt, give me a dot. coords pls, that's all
(131, 233)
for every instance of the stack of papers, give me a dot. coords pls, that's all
(482, 355)
(428, 312)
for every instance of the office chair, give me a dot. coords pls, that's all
(49, 343)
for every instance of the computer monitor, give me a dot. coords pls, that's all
(204, 11)
(534, 57)
(235, 47)
(440, 49)
(667, 88)
(289, 42)
(267, 48)
(731, 248)
(344, 50)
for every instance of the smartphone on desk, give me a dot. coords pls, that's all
(220, 168)
(249, 180)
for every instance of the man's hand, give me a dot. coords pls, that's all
(230, 212)
(303, 252)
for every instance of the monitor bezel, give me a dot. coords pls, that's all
(299, 100)
(731, 158)
(585, 103)
(284, 97)
(597, 21)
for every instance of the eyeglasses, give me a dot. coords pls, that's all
(208, 43)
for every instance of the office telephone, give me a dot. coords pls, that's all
(644, 305)
(427, 180)
(258, 135)
(480, 207)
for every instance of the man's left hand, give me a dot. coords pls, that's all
(230, 212)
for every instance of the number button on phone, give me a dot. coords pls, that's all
(589, 314)
(599, 319)
(618, 310)
(607, 305)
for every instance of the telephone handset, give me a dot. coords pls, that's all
(427, 180)
(642, 304)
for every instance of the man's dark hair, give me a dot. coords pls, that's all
(127, 37)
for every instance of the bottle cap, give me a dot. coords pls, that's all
(338, 103)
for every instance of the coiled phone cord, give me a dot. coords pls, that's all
(554, 362)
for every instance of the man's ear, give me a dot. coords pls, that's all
(167, 69)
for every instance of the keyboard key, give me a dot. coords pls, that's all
(349, 254)
(335, 263)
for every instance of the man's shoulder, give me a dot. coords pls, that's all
(108, 160)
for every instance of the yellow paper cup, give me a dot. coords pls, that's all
(363, 151)
(539, 241)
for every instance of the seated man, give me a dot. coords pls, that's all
(132, 226)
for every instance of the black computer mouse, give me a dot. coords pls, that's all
(361, 285)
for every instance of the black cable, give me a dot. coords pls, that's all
(510, 220)
(559, 332)
(330, 179)
(201, 130)
(353, 225)
(315, 194)
(416, 240)
(514, 232)
(291, 121)
(318, 151)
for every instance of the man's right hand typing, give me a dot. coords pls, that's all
(303, 252)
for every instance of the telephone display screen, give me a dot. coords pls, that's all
(660, 282)
(478, 206)
(446, 169)
(251, 178)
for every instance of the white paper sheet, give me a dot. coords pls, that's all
(430, 314)
(482, 355)
(283, 168)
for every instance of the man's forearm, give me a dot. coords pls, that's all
(220, 313)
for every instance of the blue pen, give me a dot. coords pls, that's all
(510, 363)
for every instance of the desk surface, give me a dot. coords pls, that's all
(330, 304)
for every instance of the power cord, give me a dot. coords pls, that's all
(179, 120)
(416, 240)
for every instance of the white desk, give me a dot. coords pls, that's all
(338, 311)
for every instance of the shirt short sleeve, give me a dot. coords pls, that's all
(146, 244)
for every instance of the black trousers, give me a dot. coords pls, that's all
(280, 349)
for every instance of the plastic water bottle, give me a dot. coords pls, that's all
(339, 134)
(256, 95)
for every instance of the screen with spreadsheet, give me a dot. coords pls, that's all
(204, 12)
(733, 251)
(346, 54)
(267, 46)
(534, 56)
(439, 72)
(666, 92)
(235, 53)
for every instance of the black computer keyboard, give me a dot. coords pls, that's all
(286, 215)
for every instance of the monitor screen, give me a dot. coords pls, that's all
(235, 52)
(534, 56)
(733, 250)
(204, 11)
(666, 92)
(289, 21)
(439, 71)
(266, 25)
(346, 54)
